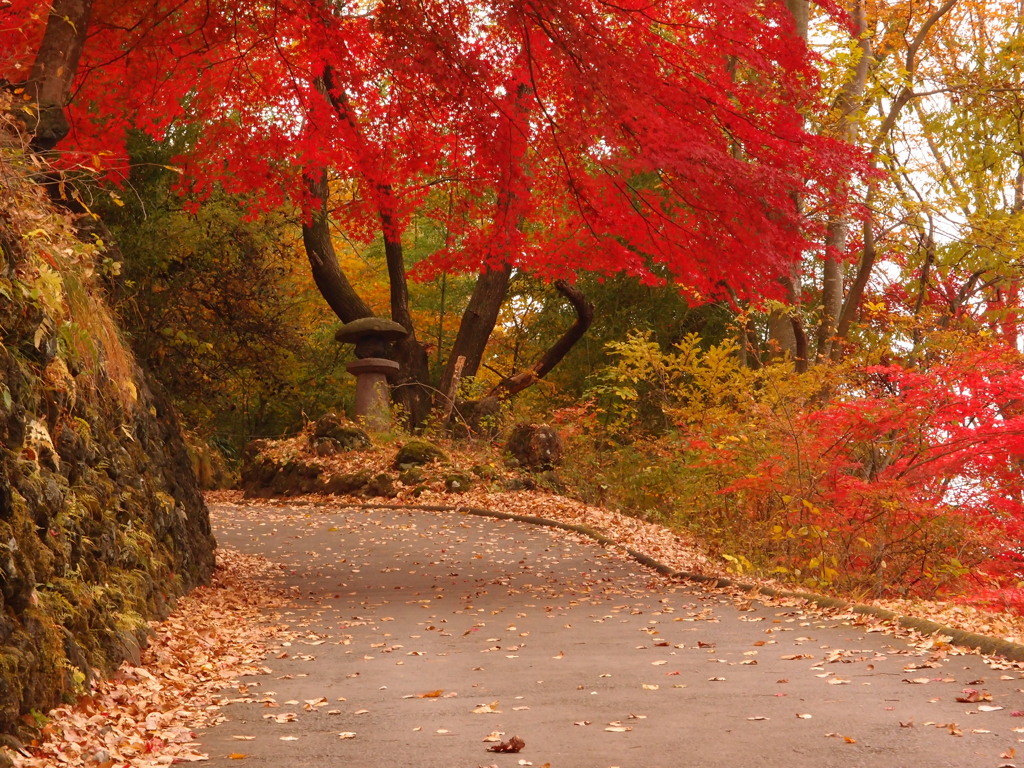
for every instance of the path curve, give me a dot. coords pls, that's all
(588, 657)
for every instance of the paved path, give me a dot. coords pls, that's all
(586, 656)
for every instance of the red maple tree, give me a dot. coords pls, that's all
(663, 140)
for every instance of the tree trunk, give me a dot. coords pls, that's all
(785, 332)
(856, 292)
(323, 260)
(896, 104)
(831, 286)
(850, 103)
(410, 389)
(800, 11)
(54, 68)
(477, 323)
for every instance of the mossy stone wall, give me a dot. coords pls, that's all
(102, 526)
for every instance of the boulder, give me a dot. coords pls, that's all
(537, 447)
(331, 435)
(417, 453)
(458, 482)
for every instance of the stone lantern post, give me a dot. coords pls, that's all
(373, 337)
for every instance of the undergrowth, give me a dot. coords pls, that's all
(870, 480)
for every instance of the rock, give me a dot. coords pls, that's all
(536, 446)
(381, 484)
(417, 453)
(412, 476)
(333, 435)
(458, 482)
(252, 451)
(347, 483)
(295, 477)
(520, 484)
(484, 471)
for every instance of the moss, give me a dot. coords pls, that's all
(458, 482)
(418, 452)
(331, 435)
(93, 479)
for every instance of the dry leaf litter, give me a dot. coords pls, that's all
(147, 715)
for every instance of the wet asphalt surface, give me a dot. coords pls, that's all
(413, 636)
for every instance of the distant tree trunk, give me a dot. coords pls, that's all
(800, 11)
(53, 70)
(849, 102)
(785, 331)
(855, 294)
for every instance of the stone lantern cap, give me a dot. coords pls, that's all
(373, 336)
(378, 328)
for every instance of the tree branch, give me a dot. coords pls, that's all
(584, 317)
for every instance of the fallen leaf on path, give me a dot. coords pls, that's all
(494, 736)
(515, 744)
(487, 709)
(346, 735)
(972, 696)
(284, 717)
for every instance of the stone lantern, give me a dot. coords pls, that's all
(373, 338)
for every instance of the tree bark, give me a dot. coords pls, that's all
(785, 331)
(478, 322)
(410, 389)
(331, 281)
(53, 70)
(849, 103)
